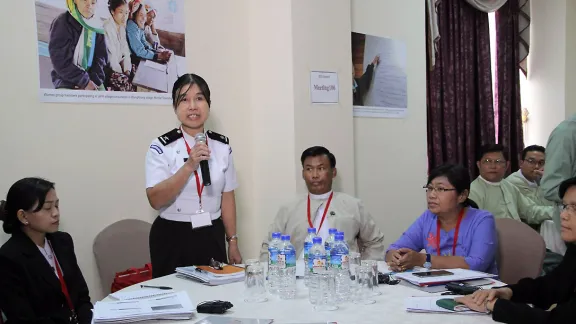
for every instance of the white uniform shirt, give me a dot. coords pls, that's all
(162, 162)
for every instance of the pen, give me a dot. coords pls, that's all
(157, 287)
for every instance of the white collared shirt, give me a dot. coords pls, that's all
(532, 184)
(162, 162)
(320, 231)
(497, 184)
(48, 255)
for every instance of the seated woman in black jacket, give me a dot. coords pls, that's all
(40, 281)
(510, 304)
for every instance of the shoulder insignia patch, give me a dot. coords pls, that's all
(156, 148)
(170, 137)
(218, 137)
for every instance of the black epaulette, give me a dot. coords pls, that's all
(170, 137)
(218, 137)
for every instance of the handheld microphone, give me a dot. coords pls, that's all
(204, 168)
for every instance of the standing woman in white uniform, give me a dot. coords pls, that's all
(195, 220)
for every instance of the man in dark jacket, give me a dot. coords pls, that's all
(361, 85)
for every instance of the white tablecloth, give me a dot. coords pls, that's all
(389, 307)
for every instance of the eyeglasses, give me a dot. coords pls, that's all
(571, 208)
(533, 162)
(437, 190)
(497, 162)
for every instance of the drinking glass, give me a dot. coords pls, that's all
(323, 290)
(250, 262)
(365, 284)
(254, 284)
(374, 266)
(355, 262)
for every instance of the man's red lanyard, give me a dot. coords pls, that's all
(199, 188)
(460, 216)
(63, 283)
(323, 216)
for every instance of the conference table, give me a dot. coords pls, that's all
(389, 306)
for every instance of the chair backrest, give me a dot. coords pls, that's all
(521, 251)
(121, 246)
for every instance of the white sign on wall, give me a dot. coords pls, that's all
(324, 87)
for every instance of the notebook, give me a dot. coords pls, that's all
(226, 270)
(429, 305)
(139, 294)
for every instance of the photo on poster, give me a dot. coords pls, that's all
(379, 82)
(110, 51)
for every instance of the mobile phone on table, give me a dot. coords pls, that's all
(435, 273)
(461, 288)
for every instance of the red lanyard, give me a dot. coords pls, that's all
(323, 216)
(62, 282)
(199, 188)
(460, 216)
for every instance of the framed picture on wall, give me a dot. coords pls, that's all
(110, 51)
(379, 77)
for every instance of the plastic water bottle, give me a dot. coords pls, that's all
(340, 263)
(287, 268)
(273, 250)
(344, 241)
(307, 245)
(329, 242)
(316, 263)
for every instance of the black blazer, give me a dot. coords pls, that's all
(30, 291)
(558, 287)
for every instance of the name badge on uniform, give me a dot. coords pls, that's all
(200, 219)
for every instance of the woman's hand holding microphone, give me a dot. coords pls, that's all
(199, 152)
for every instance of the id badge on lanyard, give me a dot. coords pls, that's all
(200, 218)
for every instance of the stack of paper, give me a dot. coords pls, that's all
(139, 294)
(212, 277)
(175, 306)
(428, 305)
(458, 275)
(232, 320)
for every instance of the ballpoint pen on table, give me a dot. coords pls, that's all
(156, 287)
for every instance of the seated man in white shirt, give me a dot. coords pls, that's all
(527, 179)
(322, 209)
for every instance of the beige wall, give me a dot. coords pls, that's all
(390, 154)
(570, 87)
(256, 55)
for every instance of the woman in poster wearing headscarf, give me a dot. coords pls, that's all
(135, 30)
(77, 47)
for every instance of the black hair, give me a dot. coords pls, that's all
(565, 185)
(318, 151)
(458, 176)
(492, 148)
(133, 16)
(24, 194)
(113, 4)
(533, 148)
(189, 79)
